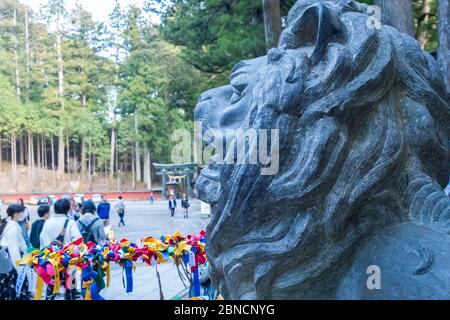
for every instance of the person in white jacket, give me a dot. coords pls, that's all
(54, 226)
(13, 243)
(60, 224)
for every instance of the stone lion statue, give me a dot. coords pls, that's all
(357, 208)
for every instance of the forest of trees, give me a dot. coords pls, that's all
(85, 100)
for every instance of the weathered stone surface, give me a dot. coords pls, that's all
(364, 121)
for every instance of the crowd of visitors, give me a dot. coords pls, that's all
(68, 222)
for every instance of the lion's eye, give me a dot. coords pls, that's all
(235, 98)
(237, 92)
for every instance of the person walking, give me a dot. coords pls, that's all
(185, 205)
(90, 225)
(38, 225)
(172, 205)
(120, 209)
(24, 222)
(58, 231)
(103, 209)
(12, 247)
(151, 198)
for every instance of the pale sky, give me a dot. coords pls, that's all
(100, 9)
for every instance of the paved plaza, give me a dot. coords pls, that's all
(144, 219)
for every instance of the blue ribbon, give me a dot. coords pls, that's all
(186, 258)
(66, 260)
(95, 293)
(196, 277)
(165, 254)
(128, 268)
(196, 283)
(86, 275)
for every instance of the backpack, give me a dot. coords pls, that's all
(86, 231)
(5, 260)
(120, 208)
(59, 241)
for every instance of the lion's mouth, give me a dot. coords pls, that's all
(211, 172)
(208, 184)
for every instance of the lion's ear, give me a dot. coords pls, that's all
(317, 26)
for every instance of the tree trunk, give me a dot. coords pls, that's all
(16, 55)
(33, 162)
(146, 164)
(83, 157)
(83, 143)
(61, 150)
(127, 162)
(69, 169)
(42, 152)
(133, 173)
(44, 147)
(94, 165)
(421, 34)
(106, 175)
(21, 151)
(272, 22)
(113, 145)
(18, 93)
(138, 153)
(117, 155)
(90, 164)
(30, 156)
(27, 53)
(399, 13)
(147, 167)
(53, 160)
(38, 155)
(75, 159)
(444, 40)
(13, 159)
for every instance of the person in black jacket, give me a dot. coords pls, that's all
(172, 205)
(185, 205)
(36, 227)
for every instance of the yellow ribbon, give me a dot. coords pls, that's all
(39, 288)
(182, 246)
(82, 249)
(74, 261)
(160, 257)
(105, 253)
(45, 253)
(55, 262)
(87, 285)
(154, 244)
(108, 273)
(28, 260)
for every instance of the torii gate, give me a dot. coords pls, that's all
(184, 170)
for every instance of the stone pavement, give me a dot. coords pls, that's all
(144, 219)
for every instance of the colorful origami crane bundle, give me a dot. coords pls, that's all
(53, 265)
